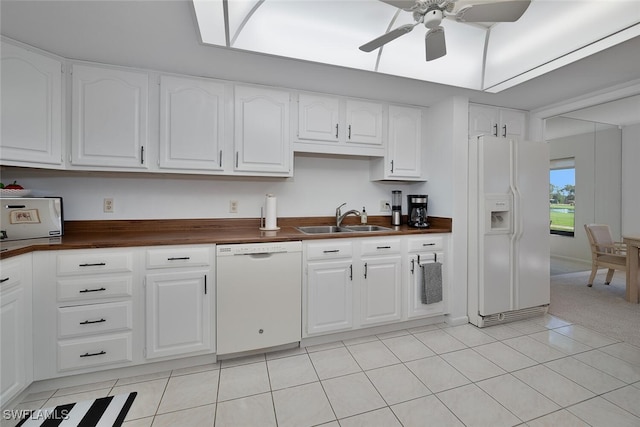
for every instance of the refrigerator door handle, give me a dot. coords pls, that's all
(515, 215)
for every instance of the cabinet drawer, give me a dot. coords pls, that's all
(95, 351)
(329, 250)
(94, 262)
(422, 244)
(10, 273)
(94, 319)
(381, 246)
(94, 288)
(178, 257)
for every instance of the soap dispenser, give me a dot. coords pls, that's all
(363, 216)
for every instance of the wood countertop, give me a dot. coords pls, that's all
(130, 233)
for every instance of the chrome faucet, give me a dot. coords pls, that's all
(340, 216)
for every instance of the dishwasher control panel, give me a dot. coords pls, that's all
(258, 248)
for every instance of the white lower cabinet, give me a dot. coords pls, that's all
(329, 286)
(363, 282)
(424, 250)
(87, 311)
(381, 290)
(179, 301)
(380, 282)
(16, 352)
(352, 283)
(329, 296)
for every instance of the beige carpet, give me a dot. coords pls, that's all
(601, 308)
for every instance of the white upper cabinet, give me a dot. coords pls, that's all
(364, 122)
(512, 124)
(403, 159)
(335, 125)
(32, 106)
(192, 124)
(262, 138)
(318, 118)
(109, 117)
(493, 121)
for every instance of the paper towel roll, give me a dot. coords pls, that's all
(270, 215)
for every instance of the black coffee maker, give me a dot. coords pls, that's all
(417, 210)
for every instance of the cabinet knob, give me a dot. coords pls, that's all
(260, 331)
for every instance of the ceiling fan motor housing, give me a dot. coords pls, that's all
(433, 18)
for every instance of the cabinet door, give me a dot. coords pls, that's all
(416, 308)
(404, 142)
(16, 346)
(179, 319)
(31, 107)
(364, 122)
(318, 117)
(191, 123)
(329, 296)
(512, 124)
(380, 292)
(13, 378)
(482, 121)
(109, 117)
(262, 140)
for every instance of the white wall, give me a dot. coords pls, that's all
(447, 169)
(319, 185)
(631, 180)
(598, 187)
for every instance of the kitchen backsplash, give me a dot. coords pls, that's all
(319, 185)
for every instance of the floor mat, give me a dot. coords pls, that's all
(103, 412)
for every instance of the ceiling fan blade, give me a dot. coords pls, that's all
(386, 38)
(401, 4)
(504, 11)
(434, 43)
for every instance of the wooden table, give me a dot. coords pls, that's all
(633, 243)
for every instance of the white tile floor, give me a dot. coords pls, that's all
(538, 372)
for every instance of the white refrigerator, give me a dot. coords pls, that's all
(508, 230)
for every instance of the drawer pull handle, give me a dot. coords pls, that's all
(88, 322)
(95, 264)
(177, 258)
(4, 280)
(428, 244)
(384, 247)
(93, 354)
(92, 290)
(332, 251)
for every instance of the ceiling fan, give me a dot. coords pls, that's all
(432, 12)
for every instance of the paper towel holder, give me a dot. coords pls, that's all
(263, 220)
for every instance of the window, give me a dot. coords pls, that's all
(562, 197)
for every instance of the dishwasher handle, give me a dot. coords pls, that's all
(263, 254)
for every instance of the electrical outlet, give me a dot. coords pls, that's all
(385, 206)
(107, 205)
(233, 206)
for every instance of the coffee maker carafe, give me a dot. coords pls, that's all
(417, 210)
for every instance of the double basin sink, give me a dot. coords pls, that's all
(332, 229)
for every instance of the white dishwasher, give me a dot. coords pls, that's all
(258, 295)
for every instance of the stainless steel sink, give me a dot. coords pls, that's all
(367, 228)
(330, 229)
(323, 229)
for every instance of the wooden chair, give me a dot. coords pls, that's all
(605, 253)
